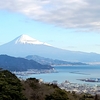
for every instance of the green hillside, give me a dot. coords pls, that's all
(11, 88)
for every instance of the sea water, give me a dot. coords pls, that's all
(70, 73)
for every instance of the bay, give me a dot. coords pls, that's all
(70, 73)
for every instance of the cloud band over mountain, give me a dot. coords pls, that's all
(82, 14)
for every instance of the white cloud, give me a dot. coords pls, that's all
(65, 13)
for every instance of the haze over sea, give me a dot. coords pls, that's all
(70, 73)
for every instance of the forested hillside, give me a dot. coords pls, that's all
(20, 64)
(11, 88)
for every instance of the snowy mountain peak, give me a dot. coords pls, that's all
(25, 39)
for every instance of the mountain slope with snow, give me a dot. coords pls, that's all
(25, 45)
(25, 39)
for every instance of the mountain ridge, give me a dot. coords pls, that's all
(20, 64)
(48, 61)
(24, 49)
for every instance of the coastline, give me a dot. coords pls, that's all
(69, 65)
(70, 73)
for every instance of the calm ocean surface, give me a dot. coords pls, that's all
(70, 73)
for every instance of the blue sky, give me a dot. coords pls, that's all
(72, 25)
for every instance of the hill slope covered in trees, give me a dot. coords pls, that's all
(20, 64)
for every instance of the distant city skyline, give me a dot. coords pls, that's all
(72, 25)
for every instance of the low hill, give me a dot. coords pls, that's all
(20, 64)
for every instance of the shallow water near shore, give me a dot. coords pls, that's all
(70, 73)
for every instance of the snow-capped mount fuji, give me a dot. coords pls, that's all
(25, 39)
(25, 45)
